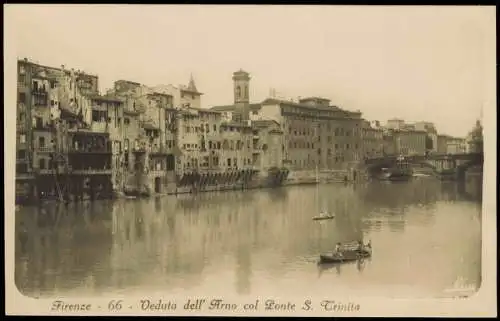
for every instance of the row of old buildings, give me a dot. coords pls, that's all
(73, 141)
(398, 137)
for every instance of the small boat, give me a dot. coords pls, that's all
(347, 256)
(350, 253)
(323, 216)
(395, 174)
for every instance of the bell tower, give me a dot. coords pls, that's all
(241, 83)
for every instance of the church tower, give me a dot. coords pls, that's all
(241, 83)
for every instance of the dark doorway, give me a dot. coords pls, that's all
(157, 185)
(354, 175)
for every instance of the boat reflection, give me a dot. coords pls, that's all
(360, 266)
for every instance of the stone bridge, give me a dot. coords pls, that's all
(452, 166)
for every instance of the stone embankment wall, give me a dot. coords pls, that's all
(328, 176)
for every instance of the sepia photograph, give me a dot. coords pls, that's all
(250, 160)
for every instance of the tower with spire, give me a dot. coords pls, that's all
(192, 85)
(190, 96)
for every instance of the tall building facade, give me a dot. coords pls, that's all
(410, 142)
(54, 133)
(373, 140)
(316, 135)
(268, 144)
(148, 156)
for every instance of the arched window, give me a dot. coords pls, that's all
(246, 91)
(238, 91)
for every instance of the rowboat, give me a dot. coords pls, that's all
(350, 253)
(347, 256)
(323, 216)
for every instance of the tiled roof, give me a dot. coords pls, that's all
(315, 98)
(205, 110)
(274, 101)
(222, 108)
(264, 123)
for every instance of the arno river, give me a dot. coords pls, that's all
(425, 235)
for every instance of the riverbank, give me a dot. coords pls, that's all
(295, 178)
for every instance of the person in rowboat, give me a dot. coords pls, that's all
(338, 250)
(360, 246)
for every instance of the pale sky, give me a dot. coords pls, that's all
(415, 63)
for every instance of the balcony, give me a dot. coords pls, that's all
(91, 171)
(43, 127)
(22, 86)
(157, 172)
(158, 150)
(40, 97)
(44, 149)
(138, 149)
(99, 127)
(46, 171)
(94, 150)
(21, 128)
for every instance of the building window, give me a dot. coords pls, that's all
(41, 163)
(229, 162)
(41, 142)
(22, 138)
(22, 98)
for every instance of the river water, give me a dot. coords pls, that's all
(425, 235)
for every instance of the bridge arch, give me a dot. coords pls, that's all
(426, 164)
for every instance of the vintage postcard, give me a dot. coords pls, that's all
(257, 160)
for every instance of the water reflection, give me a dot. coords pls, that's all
(251, 242)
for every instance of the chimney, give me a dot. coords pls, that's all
(26, 59)
(62, 67)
